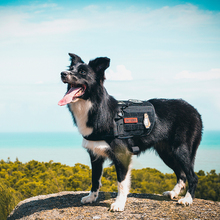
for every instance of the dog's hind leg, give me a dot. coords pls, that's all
(192, 182)
(188, 167)
(176, 190)
(97, 166)
(170, 161)
(123, 169)
(185, 161)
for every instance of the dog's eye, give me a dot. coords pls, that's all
(81, 71)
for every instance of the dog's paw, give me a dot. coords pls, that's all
(187, 200)
(92, 197)
(117, 207)
(170, 194)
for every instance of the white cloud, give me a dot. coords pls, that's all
(21, 21)
(180, 17)
(208, 75)
(37, 20)
(121, 74)
(186, 15)
(17, 26)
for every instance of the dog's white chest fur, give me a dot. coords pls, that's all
(99, 148)
(80, 110)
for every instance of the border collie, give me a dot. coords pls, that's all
(175, 136)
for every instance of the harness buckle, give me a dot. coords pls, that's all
(135, 149)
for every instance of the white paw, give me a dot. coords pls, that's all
(170, 194)
(187, 200)
(117, 207)
(92, 197)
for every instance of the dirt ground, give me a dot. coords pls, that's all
(67, 205)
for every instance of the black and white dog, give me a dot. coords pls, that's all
(176, 134)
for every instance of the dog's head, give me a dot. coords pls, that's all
(83, 79)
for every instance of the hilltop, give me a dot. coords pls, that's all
(66, 205)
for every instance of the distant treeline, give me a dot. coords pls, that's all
(19, 181)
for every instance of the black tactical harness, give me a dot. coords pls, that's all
(133, 119)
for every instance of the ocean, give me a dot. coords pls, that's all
(66, 149)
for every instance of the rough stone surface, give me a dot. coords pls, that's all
(67, 205)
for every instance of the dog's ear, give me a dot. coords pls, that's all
(99, 65)
(75, 59)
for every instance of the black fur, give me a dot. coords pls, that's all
(175, 136)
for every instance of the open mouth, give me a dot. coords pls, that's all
(76, 91)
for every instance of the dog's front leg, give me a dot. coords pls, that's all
(124, 182)
(97, 164)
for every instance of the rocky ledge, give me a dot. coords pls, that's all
(67, 205)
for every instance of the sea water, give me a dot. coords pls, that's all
(66, 149)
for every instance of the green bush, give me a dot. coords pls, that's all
(8, 199)
(19, 181)
(208, 186)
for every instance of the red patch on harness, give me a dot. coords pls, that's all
(130, 120)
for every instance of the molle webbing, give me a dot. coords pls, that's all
(134, 118)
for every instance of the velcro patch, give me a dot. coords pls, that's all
(130, 120)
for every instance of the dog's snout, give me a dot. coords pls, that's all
(68, 77)
(64, 74)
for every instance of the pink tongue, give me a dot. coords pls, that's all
(69, 96)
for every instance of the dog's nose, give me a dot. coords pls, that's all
(63, 74)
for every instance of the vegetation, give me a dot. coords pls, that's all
(19, 181)
(8, 200)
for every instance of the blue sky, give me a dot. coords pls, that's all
(158, 49)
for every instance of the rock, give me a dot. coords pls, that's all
(67, 205)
